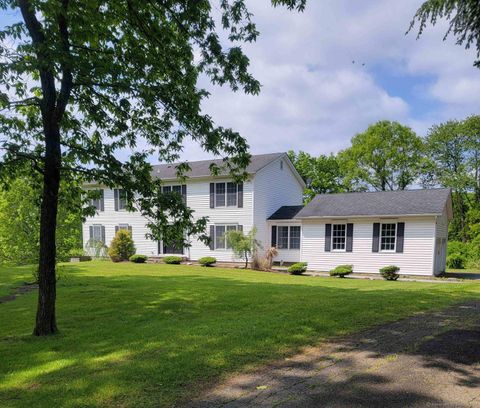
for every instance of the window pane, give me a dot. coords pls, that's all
(388, 237)
(167, 189)
(123, 226)
(295, 237)
(97, 232)
(122, 199)
(230, 228)
(338, 236)
(220, 237)
(231, 194)
(220, 195)
(97, 202)
(177, 189)
(282, 240)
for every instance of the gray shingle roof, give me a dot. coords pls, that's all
(384, 203)
(287, 212)
(202, 168)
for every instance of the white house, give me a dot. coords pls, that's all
(367, 230)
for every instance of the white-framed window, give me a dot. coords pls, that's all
(226, 194)
(220, 194)
(98, 202)
(221, 235)
(282, 237)
(123, 227)
(388, 236)
(231, 194)
(97, 232)
(120, 199)
(288, 237)
(339, 237)
(294, 237)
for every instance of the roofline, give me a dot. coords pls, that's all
(383, 191)
(386, 216)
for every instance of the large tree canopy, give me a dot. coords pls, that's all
(82, 79)
(387, 156)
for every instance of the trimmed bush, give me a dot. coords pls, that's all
(121, 247)
(137, 258)
(341, 271)
(390, 272)
(297, 268)
(456, 261)
(173, 260)
(207, 261)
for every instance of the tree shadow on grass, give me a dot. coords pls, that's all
(153, 339)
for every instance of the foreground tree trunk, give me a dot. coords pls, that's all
(46, 321)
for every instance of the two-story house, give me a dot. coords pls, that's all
(272, 183)
(368, 230)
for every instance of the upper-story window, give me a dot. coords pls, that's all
(339, 237)
(120, 199)
(99, 202)
(226, 194)
(388, 233)
(220, 194)
(179, 189)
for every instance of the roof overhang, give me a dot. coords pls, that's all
(385, 216)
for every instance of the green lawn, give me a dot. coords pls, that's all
(149, 335)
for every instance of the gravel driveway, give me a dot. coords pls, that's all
(429, 360)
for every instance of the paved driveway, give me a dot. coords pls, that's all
(429, 360)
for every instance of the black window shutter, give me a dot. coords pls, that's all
(91, 231)
(240, 228)
(103, 234)
(349, 247)
(130, 230)
(240, 195)
(274, 235)
(116, 229)
(328, 237)
(376, 237)
(212, 237)
(212, 195)
(184, 193)
(115, 194)
(400, 236)
(102, 200)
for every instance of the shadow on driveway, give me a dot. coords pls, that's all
(429, 360)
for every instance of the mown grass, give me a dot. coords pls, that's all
(138, 335)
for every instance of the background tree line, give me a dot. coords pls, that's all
(391, 156)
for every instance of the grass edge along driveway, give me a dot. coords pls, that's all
(153, 335)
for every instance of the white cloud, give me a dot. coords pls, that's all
(314, 98)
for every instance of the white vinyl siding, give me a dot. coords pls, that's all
(416, 259)
(275, 187)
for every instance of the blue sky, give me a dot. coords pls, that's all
(314, 98)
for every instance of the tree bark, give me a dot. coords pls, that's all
(52, 108)
(46, 321)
